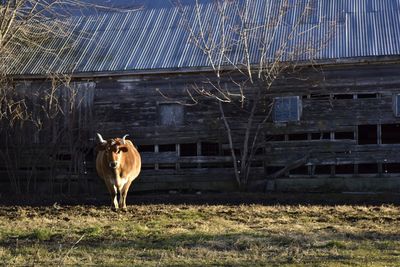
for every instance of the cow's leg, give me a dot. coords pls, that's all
(124, 193)
(113, 193)
(114, 198)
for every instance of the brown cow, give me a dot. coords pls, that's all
(118, 162)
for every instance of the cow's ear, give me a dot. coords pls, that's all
(123, 148)
(100, 147)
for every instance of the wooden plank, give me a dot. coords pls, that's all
(192, 186)
(338, 185)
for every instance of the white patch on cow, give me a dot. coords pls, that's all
(122, 182)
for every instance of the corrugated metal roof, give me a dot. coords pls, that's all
(157, 38)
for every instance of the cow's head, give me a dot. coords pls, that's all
(114, 149)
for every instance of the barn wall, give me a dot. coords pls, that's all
(348, 133)
(338, 105)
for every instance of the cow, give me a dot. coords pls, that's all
(118, 163)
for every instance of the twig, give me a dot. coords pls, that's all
(70, 249)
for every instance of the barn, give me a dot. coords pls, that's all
(334, 124)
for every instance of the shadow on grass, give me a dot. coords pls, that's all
(258, 248)
(235, 198)
(282, 248)
(97, 238)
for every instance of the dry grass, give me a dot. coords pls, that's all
(199, 235)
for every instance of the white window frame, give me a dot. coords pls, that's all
(181, 121)
(396, 99)
(299, 108)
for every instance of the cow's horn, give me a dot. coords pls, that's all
(123, 138)
(101, 138)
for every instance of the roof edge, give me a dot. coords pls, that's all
(186, 70)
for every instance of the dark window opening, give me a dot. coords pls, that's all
(228, 152)
(209, 149)
(166, 166)
(319, 97)
(146, 148)
(318, 136)
(322, 169)
(302, 170)
(297, 137)
(363, 96)
(343, 96)
(344, 169)
(367, 168)
(273, 138)
(344, 135)
(390, 133)
(188, 165)
(167, 148)
(188, 150)
(391, 167)
(367, 134)
(304, 97)
(147, 167)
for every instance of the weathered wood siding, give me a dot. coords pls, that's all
(338, 103)
(335, 101)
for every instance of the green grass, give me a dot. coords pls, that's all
(197, 235)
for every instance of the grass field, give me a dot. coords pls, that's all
(200, 235)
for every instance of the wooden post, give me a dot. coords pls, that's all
(286, 139)
(379, 142)
(309, 137)
(178, 154)
(332, 137)
(199, 152)
(156, 150)
(356, 138)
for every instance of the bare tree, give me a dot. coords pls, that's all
(28, 28)
(249, 44)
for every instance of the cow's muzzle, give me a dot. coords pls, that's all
(113, 164)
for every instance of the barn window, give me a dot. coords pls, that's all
(297, 137)
(321, 136)
(367, 134)
(344, 135)
(391, 168)
(287, 109)
(274, 138)
(344, 169)
(209, 149)
(390, 133)
(396, 105)
(188, 150)
(364, 96)
(322, 169)
(171, 114)
(367, 168)
(343, 96)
